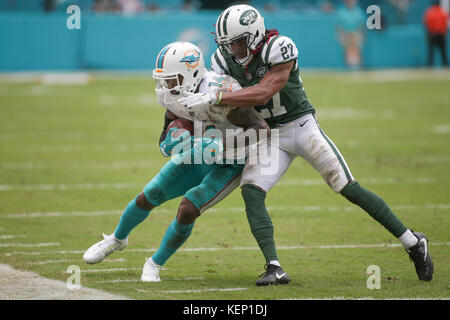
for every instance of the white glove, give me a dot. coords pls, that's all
(198, 100)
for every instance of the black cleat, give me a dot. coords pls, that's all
(273, 275)
(421, 258)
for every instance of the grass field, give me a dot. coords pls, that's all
(73, 156)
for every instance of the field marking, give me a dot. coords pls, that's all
(70, 260)
(133, 185)
(430, 159)
(109, 270)
(48, 244)
(139, 280)
(194, 290)
(294, 247)
(212, 210)
(442, 129)
(365, 298)
(26, 285)
(4, 237)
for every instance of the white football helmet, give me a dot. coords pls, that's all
(180, 67)
(236, 23)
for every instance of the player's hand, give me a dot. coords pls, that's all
(207, 147)
(199, 100)
(170, 142)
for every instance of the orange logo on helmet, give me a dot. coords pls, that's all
(191, 58)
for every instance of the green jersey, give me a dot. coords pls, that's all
(286, 105)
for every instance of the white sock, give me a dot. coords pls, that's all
(408, 239)
(275, 262)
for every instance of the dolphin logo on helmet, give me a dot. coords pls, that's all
(191, 58)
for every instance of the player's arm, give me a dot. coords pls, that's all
(168, 117)
(248, 119)
(258, 95)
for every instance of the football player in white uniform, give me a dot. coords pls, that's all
(266, 65)
(180, 69)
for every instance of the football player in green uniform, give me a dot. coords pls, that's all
(266, 65)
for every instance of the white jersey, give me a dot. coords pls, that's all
(215, 116)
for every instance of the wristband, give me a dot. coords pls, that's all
(219, 98)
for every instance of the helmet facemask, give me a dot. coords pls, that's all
(235, 47)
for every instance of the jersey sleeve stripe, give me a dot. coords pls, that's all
(269, 46)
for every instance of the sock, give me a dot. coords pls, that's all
(275, 263)
(259, 220)
(408, 239)
(174, 238)
(375, 207)
(131, 217)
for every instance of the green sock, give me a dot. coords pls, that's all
(375, 207)
(259, 220)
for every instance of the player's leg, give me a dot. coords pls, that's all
(173, 180)
(176, 234)
(257, 180)
(215, 186)
(315, 146)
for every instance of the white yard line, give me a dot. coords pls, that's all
(218, 209)
(132, 185)
(4, 237)
(42, 262)
(365, 298)
(139, 280)
(194, 290)
(295, 247)
(109, 270)
(48, 244)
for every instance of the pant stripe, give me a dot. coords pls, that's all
(338, 155)
(210, 202)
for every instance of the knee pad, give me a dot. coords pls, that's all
(154, 193)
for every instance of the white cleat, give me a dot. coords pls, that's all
(150, 271)
(99, 251)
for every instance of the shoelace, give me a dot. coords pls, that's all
(156, 265)
(108, 245)
(266, 267)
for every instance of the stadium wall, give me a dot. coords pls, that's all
(37, 41)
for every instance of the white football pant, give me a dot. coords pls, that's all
(301, 137)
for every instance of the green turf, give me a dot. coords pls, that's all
(68, 151)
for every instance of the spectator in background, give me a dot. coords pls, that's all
(105, 6)
(327, 6)
(130, 7)
(435, 20)
(49, 5)
(351, 23)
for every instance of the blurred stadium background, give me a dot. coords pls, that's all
(127, 34)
